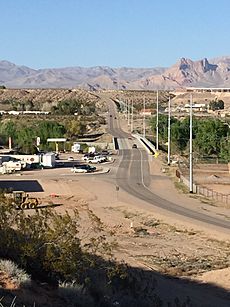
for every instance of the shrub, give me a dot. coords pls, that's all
(48, 245)
(18, 276)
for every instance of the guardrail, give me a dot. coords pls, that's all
(147, 144)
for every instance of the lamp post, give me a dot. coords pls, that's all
(190, 152)
(169, 129)
(132, 117)
(128, 113)
(157, 131)
(144, 117)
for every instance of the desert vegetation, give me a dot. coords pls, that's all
(210, 136)
(216, 105)
(62, 122)
(78, 264)
(42, 99)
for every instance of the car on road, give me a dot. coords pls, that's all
(134, 146)
(83, 168)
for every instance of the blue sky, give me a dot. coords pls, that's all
(131, 33)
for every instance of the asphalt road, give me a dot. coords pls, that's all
(133, 176)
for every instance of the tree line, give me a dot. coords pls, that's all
(24, 133)
(210, 136)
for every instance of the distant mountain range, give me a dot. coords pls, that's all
(202, 73)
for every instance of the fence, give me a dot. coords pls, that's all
(207, 192)
(210, 193)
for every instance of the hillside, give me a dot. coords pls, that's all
(42, 99)
(204, 73)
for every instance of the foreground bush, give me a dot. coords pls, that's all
(48, 245)
(76, 262)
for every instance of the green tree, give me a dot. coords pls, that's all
(24, 133)
(209, 135)
(81, 106)
(7, 129)
(49, 129)
(225, 149)
(162, 126)
(216, 105)
(76, 127)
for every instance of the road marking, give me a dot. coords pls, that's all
(142, 173)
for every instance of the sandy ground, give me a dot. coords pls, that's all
(148, 237)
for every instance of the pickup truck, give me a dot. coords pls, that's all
(96, 159)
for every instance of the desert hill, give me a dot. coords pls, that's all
(201, 73)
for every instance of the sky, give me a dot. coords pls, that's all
(115, 33)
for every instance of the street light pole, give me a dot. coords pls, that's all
(169, 129)
(157, 132)
(128, 113)
(132, 117)
(144, 117)
(190, 152)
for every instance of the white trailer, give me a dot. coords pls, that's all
(75, 147)
(48, 160)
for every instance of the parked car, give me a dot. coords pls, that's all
(70, 159)
(134, 146)
(96, 159)
(105, 152)
(84, 168)
(87, 156)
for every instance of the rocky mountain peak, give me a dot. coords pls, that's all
(207, 66)
(185, 72)
(185, 64)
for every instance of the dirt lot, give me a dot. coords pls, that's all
(146, 237)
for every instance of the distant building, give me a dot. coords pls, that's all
(198, 107)
(208, 89)
(13, 112)
(147, 112)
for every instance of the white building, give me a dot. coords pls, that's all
(199, 107)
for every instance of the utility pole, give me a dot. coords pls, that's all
(190, 152)
(132, 117)
(128, 113)
(157, 132)
(144, 117)
(169, 129)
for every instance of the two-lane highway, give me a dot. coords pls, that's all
(133, 176)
